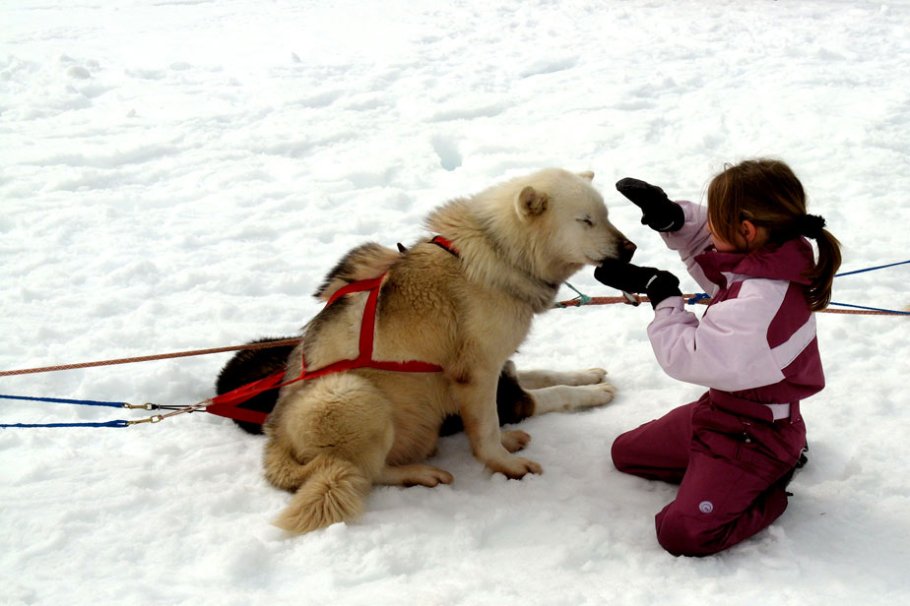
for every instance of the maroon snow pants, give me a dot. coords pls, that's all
(732, 462)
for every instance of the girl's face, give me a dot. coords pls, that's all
(719, 243)
(748, 238)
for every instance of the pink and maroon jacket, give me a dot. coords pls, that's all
(757, 339)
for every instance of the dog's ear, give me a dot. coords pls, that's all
(531, 202)
(588, 174)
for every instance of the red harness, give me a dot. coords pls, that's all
(227, 404)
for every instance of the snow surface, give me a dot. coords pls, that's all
(181, 174)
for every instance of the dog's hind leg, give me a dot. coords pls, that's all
(341, 426)
(414, 475)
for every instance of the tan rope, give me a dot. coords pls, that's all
(164, 356)
(860, 312)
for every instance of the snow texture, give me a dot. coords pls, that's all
(181, 174)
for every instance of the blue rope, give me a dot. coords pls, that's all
(583, 299)
(860, 271)
(65, 401)
(700, 296)
(890, 311)
(703, 296)
(116, 423)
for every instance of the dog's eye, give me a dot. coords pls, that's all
(587, 221)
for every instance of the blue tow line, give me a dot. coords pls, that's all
(583, 300)
(66, 401)
(703, 296)
(862, 271)
(114, 423)
(863, 307)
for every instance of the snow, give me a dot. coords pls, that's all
(179, 175)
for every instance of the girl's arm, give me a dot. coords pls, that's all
(691, 240)
(729, 348)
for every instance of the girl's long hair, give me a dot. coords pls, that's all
(767, 192)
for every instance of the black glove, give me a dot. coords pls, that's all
(659, 212)
(656, 283)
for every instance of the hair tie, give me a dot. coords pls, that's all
(810, 226)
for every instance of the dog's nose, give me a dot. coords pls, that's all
(626, 250)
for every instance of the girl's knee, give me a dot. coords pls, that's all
(620, 454)
(683, 535)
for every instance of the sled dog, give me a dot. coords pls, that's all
(460, 306)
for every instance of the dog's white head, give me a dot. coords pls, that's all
(531, 233)
(565, 223)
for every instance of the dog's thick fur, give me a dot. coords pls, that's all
(330, 439)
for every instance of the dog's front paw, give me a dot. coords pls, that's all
(602, 393)
(592, 376)
(515, 468)
(514, 440)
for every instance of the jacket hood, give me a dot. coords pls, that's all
(790, 261)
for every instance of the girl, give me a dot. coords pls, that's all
(734, 450)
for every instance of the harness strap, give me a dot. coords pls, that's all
(226, 404)
(445, 244)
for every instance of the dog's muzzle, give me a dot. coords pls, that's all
(627, 249)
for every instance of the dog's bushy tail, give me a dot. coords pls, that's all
(335, 490)
(367, 261)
